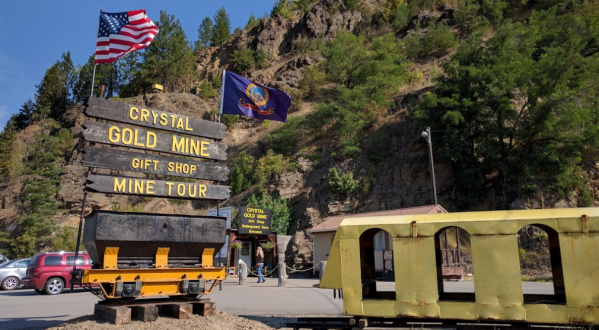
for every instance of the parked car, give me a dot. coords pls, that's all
(12, 272)
(3, 259)
(51, 272)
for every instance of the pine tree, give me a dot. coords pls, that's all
(251, 22)
(132, 82)
(23, 118)
(54, 93)
(204, 33)
(169, 60)
(221, 31)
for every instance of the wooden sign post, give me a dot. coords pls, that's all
(153, 164)
(157, 188)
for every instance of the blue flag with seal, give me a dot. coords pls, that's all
(241, 96)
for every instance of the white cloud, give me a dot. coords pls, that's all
(3, 111)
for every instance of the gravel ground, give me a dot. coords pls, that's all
(222, 321)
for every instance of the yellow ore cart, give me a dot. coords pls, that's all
(419, 290)
(150, 255)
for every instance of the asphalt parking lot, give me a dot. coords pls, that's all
(25, 309)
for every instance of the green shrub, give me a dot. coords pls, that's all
(297, 97)
(65, 240)
(207, 91)
(242, 176)
(243, 59)
(401, 17)
(269, 165)
(217, 81)
(229, 120)
(285, 139)
(282, 8)
(266, 124)
(352, 4)
(436, 42)
(314, 79)
(303, 6)
(261, 58)
(342, 182)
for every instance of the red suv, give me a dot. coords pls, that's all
(50, 272)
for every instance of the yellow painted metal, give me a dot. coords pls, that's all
(110, 257)
(155, 282)
(207, 257)
(498, 286)
(162, 257)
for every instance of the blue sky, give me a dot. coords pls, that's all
(33, 35)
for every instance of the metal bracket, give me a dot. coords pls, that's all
(585, 223)
(207, 257)
(110, 257)
(162, 257)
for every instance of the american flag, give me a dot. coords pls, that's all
(122, 33)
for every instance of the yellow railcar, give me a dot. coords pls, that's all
(419, 290)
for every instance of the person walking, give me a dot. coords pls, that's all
(260, 264)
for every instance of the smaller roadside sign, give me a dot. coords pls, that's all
(222, 212)
(254, 220)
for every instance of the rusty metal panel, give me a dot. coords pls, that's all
(351, 279)
(458, 310)
(546, 313)
(377, 307)
(331, 279)
(415, 270)
(580, 261)
(497, 278)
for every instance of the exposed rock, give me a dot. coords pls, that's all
(299, 253)
(518, 204)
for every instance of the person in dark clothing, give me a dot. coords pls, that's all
(260, 264)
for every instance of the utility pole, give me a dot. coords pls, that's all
(427, 135)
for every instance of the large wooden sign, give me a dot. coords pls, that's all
(117, 111)
(254, 221)
(157, 188)
(153, 164)
(149, 140)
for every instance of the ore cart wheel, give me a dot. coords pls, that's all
(54, 286)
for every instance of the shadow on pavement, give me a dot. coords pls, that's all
(276, 322)
(30, 322)
(31, 292)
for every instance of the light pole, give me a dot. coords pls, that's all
(427, 135)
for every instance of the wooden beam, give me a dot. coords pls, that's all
(148, 140)
(114, 159)
(139, 115)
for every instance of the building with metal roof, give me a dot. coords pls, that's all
(324, 233)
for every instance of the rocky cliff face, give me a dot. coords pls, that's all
(400, 178)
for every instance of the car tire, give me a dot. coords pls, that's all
(40, 291)
(10, 283)
(54, 286)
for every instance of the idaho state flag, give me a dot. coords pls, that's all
(241, 96)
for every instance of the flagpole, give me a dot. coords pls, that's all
(95, 64)
(222, 95)
(93, 79)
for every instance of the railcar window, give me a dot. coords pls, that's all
(376, 260)
(541, 265)
(453, 253)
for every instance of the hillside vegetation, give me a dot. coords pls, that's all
(509, 89)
